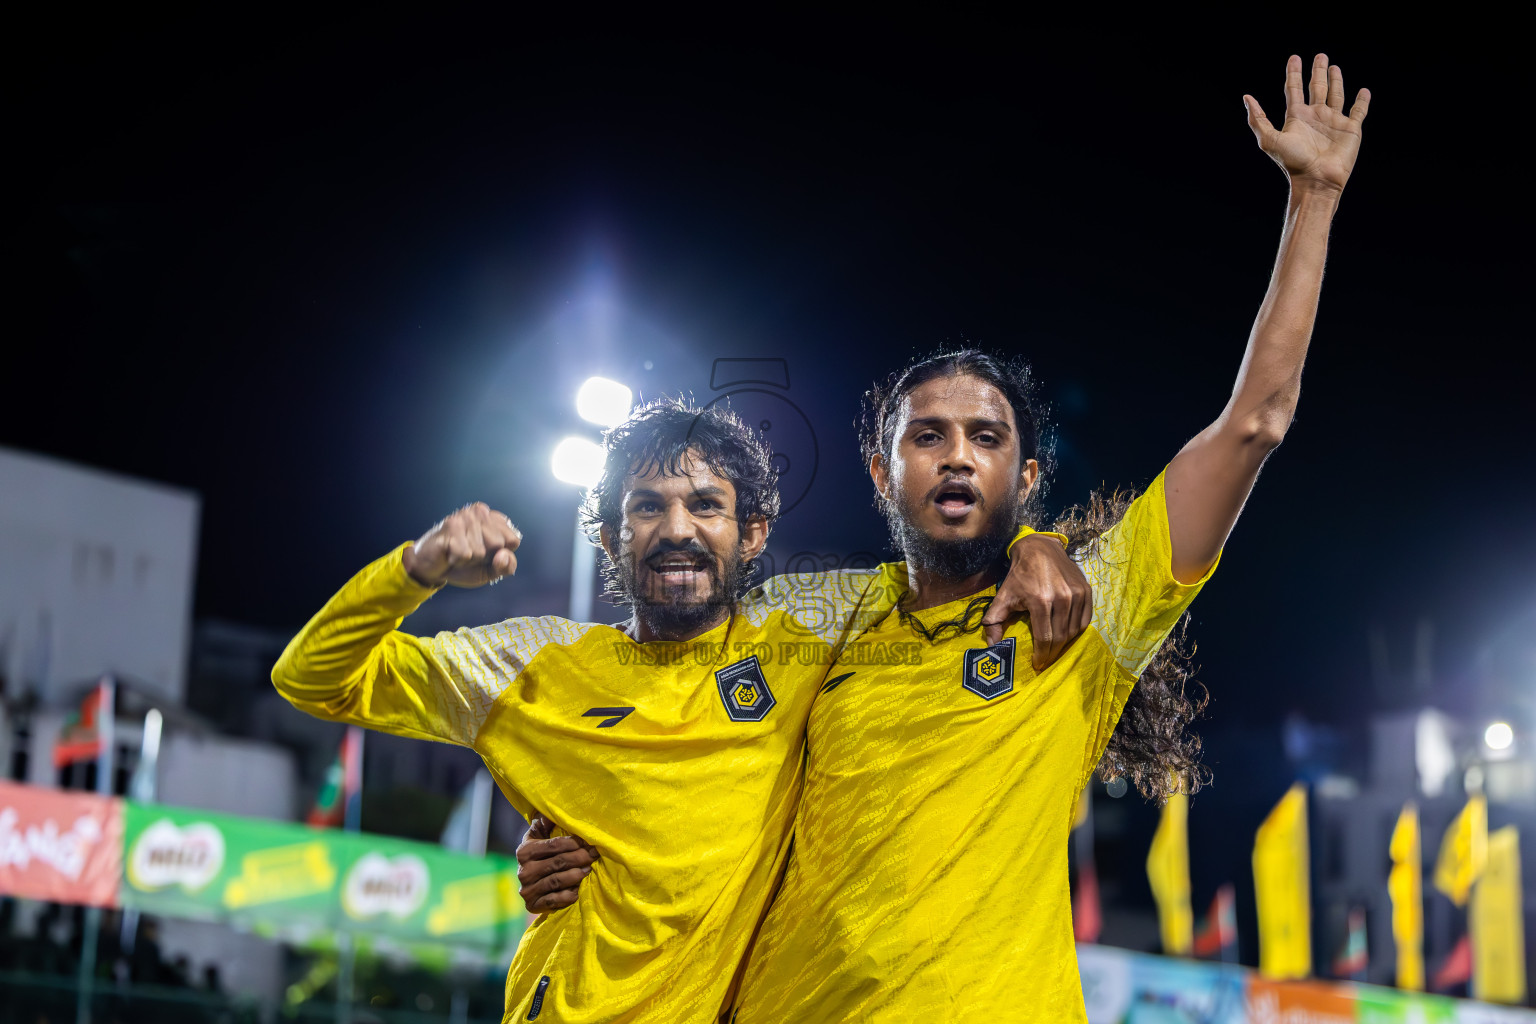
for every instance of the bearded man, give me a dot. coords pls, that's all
(673, 744)
(929, 875)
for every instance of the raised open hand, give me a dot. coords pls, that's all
(1317, 145)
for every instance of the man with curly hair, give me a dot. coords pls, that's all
(674, 743)
(929, 875)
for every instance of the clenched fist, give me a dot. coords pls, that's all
(474, 546)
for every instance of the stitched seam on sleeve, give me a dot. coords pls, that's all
(485, 661)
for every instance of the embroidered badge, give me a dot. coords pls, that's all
(988, 671)
(745, 691)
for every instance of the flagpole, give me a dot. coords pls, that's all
(479, 835)
(352, 809)
(106, 715)
(141, 789)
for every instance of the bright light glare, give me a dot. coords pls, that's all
(577, 461)
(603, 401)
(1498, 736)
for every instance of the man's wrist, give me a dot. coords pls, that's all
(407, 562)
(1313, 193)
(1029, 531)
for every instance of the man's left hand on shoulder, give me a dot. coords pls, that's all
(1048, 587)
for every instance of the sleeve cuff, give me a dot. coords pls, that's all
(404, 582)
(1025, 531)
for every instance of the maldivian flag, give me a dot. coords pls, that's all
(1168, 871)
(1217, 937)
(1463, 851)
(1405, 885)
(1457, 968)
(343, 782)
(81, 737)
(1355, 956)
(1498, 931)
(1280, 867)
(1087, 914)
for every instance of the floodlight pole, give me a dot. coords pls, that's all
(583, 566)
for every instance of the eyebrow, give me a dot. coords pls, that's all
(934, 421)
(709, 491)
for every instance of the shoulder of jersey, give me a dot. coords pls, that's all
(485, 660)
(821, 601)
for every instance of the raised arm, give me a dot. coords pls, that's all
(1209, 480)
(350, 663)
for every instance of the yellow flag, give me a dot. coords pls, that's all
(1084, 807)
(1463, 851)
(1498, 931)
(1168, 871)
(1406, 887)
(1280, 882)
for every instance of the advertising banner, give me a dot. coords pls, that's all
(61, 846)
(1389, 1006)
(1121, 987)
(292, 880)
(1314, 1002)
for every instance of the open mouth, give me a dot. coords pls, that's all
(680, 569)
(955, 499)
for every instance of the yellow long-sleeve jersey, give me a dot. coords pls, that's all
(682, 763)
(929, 879)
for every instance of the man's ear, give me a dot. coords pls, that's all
(754, 537)
(1027, 477)
(880, 473)
(605, 536)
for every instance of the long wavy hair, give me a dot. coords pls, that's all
(1153, 745)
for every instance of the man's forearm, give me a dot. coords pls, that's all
(1269, 380)
(1209, 480)
(1211, 477)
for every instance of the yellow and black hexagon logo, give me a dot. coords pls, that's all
(745, 691)
(988, 671)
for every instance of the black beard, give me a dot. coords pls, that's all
(675, 619)
(953, 559)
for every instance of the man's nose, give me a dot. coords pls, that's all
(677, 524)
(959, 456)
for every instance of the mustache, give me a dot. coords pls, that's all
(956, 483)
(692, 549)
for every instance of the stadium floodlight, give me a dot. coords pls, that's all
(604, 402)
(1498, 736)
(578, 461)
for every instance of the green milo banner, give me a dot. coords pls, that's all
(297, 881)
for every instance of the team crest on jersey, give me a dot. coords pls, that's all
(988, 671)
(745, 691)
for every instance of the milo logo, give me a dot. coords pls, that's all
(165, 855)
(383, 885)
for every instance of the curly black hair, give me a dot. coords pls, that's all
(660, 435)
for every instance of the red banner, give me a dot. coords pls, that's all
(62, 846)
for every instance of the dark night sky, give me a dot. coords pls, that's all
(341, 277)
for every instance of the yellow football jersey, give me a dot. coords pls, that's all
(929, 878)
(682, 763)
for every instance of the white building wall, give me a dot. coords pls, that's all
(232, 776)
(96, 575)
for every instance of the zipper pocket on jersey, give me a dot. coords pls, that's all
(538, 998)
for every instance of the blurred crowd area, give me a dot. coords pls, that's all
(41, 948)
